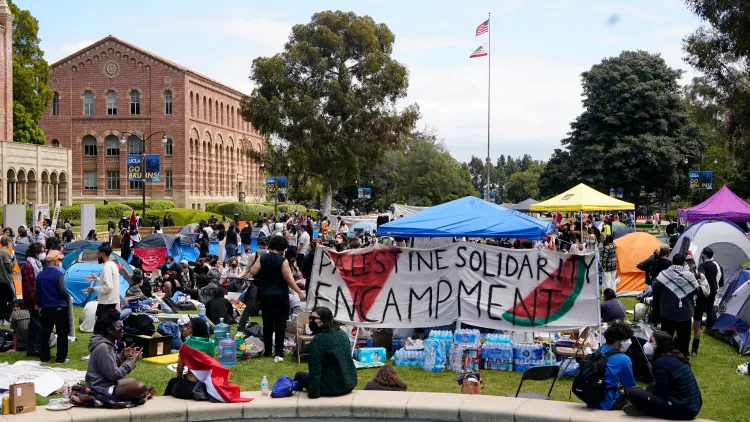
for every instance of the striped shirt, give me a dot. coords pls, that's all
(675, 382)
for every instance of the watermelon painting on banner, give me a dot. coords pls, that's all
(507, 289)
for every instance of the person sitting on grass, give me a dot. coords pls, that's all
(19, 323)
(220, 308)
(134, 290)
(107, 369)
(674, 394)
(198, 338)
(612, 309)
(386, 380)
(332, 372)
(619, 372)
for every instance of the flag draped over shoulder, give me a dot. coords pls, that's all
(481, 51)
(211, 373)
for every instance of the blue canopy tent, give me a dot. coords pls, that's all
(76, 283)
(468, 217)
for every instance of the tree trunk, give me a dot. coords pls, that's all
(410, 201)
(668, 201)
(327, 200)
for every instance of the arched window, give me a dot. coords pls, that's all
(88, 103)
(168, 147)
(56, 104)
(218, 110)
(168, 103)
(135, 102)
(89, 146)
(111, 103)
(56, 143)
(112, 145)
(191, 104)
(136, 145)
(232, 114)
(204, 108)
(221, 114)
(210, 111)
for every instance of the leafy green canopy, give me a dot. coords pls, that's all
(331, 96)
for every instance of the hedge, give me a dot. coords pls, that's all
(291, 208)
(151, 204)
(214, 206)
(245, 211)
(115, 210)
(184, 216)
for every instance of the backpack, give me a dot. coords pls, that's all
(588, 384)
(139, 325)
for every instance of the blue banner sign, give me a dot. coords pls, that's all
(153, 167)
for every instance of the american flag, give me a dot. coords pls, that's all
(483, 27)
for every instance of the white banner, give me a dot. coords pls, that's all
(41, 211)
(486, 286)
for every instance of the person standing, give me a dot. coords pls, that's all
(715, 277)
(275, 279)
(655, 264)
(674, 290)
(108, 290)
(700, 303)
(608, 263)
(111, 229)
(246, 235)
(52, 298)
(34, 257)
(7, 291)
(232, 242)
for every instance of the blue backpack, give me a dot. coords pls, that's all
(283, 387)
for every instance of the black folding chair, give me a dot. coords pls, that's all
(538, 373)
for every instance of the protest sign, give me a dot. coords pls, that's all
(487, 286)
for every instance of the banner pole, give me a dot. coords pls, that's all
(489, 95)
(598, 295)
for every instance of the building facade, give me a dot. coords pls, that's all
(113, 90)
(28, 173)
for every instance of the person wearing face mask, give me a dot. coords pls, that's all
(171, 276)
(330, 365)
(35, 256)
(674, 394)
(618, 377)
(52, 300)
(339, 242)
(108, 290)
(576, 247)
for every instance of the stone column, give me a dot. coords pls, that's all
(55, 192)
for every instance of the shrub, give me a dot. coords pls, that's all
(115, 211)
(245, 211)
(151, 204)
(88, 202)
(184, 216)
(214, 206)
(290, 208)
(669, 215)
(72, 212)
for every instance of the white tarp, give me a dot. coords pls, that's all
(509, 289)
(46, 379)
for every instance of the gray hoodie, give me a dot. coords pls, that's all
(104, 364)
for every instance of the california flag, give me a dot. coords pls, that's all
(481, 51)
(211, 373)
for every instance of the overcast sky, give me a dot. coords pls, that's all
(539, 49)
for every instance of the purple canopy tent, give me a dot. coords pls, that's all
(724, 204)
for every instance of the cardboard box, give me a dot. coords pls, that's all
(371, 354)
(22, 398)
(152, 346)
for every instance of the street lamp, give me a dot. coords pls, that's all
(144, 142)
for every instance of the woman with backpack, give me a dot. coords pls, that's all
(674, 394)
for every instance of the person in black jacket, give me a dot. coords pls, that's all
(655, 264)
(246, 234)
(715, 277)
(674, 291)
(203, 241)
(233, 241)
(220, 308)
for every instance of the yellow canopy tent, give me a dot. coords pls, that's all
(582, 198)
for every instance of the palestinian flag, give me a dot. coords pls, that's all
(211, 373)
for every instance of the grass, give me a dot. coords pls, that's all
(725, 394)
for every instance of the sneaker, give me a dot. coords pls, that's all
(694, 354)
(278, 359)
(631, 410)
(62, 363)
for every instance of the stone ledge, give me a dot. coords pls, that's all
(357, 406)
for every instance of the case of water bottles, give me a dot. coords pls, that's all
(527, 355)
(434, 355)
(404, 357)
(497, 352)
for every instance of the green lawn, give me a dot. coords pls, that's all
(725, 394)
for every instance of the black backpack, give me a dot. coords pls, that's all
(588, 384)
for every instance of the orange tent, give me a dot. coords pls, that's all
(631, 250)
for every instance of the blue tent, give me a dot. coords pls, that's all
(733, 321)
(76, 283)
(468, 217)
(71, 255)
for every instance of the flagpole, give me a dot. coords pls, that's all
(489, 73)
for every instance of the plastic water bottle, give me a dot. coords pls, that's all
(227, 352)
(66, 390)
(201, 311)
(264, 386)
(221, 330)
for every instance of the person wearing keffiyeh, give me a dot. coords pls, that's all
(674, 290)
(34, 257)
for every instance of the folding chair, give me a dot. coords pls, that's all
(303, 320)
(578, 349)
(538, 373)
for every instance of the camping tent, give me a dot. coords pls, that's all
(731, 247)
(724, 205)
(631, 250)
(468, 217)
(523, 206)
(154, 248)
(73, 255)
(734, 315)
(76, 283)
(582, 198)
(80, 244)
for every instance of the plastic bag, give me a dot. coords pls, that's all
(742, 369)
(283, 387)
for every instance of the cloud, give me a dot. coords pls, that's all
(679, 31)
(265, 36)
(68, 49)
(417, 45)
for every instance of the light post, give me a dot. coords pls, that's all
(144, 142)
(276, 187)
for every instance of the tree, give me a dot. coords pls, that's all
(331, 97)
(556, 178)
(478, 173)
(31, 95)
(523, 185)
(634, 130)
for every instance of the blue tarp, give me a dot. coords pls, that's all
(76, 283)
(468, 217)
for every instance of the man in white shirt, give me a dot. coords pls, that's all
(303, 241)
(108, 290)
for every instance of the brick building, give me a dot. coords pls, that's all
(28, 173)
(112, 89)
